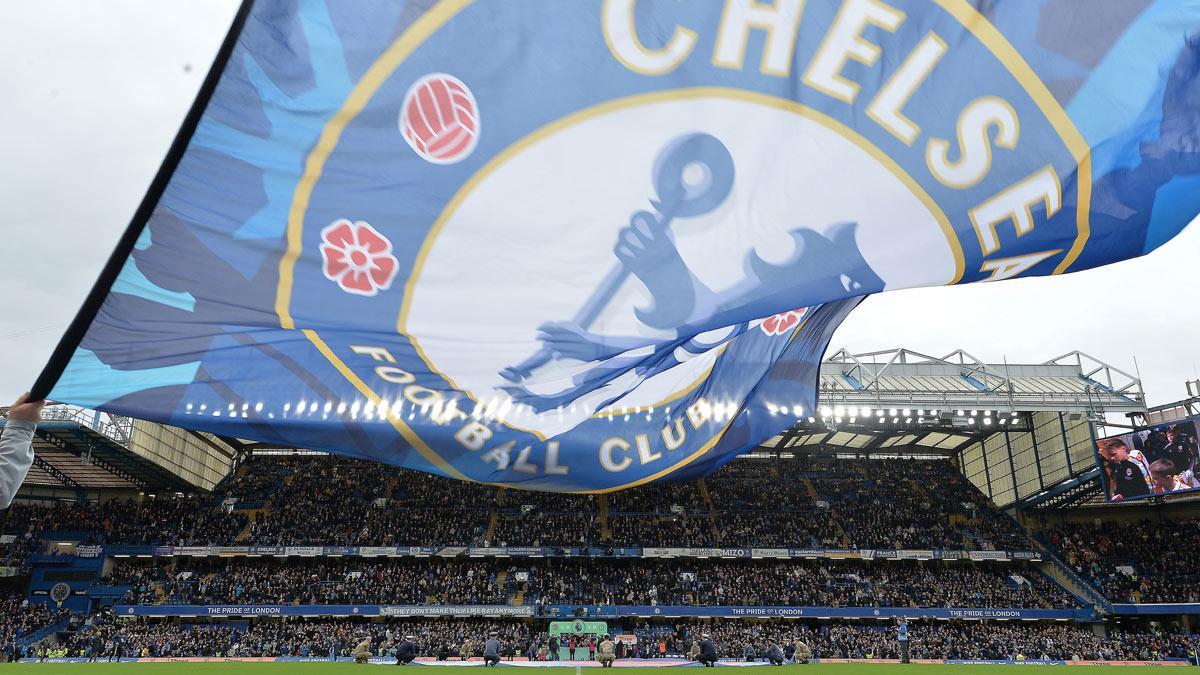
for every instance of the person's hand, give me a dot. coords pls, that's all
(26, 410)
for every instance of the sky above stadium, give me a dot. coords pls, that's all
(96, 91)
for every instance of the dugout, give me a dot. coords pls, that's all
(579, 631)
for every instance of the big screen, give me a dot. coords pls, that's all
(1157, 460)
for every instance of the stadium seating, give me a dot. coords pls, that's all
(1138, 561)
(168, 521)
(939, 640)
(445, 638)
(22, 618)
(332, 501)
(789, 503)
(346, 502)
(585, 582)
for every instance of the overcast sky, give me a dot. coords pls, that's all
(94, 92)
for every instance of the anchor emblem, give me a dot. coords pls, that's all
(693, 175)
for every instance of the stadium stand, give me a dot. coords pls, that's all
(309, 637)
(841, 523)
(169, 521)
(583, 582)
(1134, 562)
(22, 618)
(950, 641)
(444, 639)
(334, 501)
(346, 502)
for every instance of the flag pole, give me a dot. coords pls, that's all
(91, 305)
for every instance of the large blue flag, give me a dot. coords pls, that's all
(583, 245)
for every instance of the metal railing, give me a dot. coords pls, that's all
(116, 428)
(1095, 595)
(1084, 401)
(999, 386)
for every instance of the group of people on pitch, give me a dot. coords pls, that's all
(407, 651)
(705, 652)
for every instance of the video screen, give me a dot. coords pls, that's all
(1157, 460)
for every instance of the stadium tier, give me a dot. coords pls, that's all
(1134, 562)
(452, 639)
(964, 497)
(549, 584)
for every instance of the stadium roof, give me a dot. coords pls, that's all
(1188, 407)
(81, 449)
(899, 399)
(1073, 382)
(1021, 432)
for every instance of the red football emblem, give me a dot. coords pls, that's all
(782, 322)
(440, 119)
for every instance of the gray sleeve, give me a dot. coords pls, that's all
(16, 455)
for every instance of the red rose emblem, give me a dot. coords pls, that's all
(783, 322)
(357, 257)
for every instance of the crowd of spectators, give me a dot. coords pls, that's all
(319, 638)
(813, 584)
(915, 505)
(995, 640)
(659, 499)
(785, 503)
(344, 502)
(527, 518)
(666, 514)
(931, 640)
(21, 618)
(449, 638)
(313, 499)
(168, 521)
(803, 503)
(18, 549)
(659, 531)
(539, 528)
(1143, 561)
(326, 500)
(787, 529)
(254, 483)
(553, 581)
(245, 581)
(148, 583)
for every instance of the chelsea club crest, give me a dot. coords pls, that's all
(577, 224)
